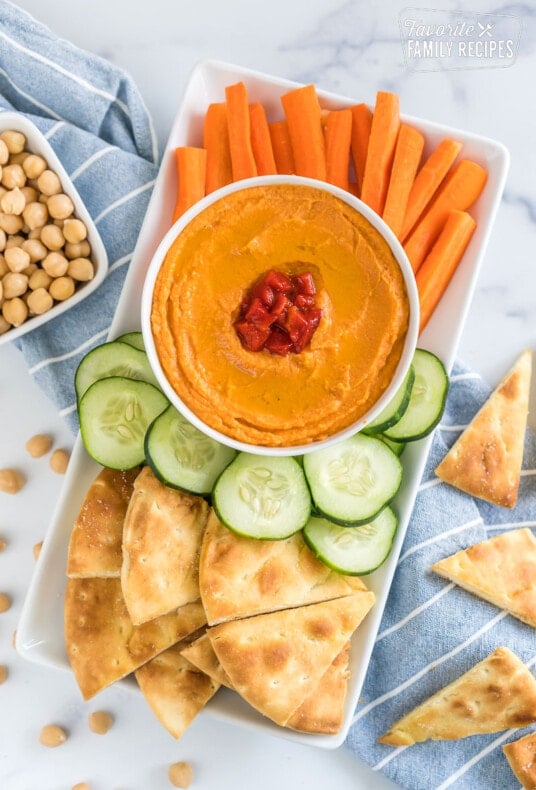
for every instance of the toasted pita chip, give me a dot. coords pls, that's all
(496, 694)
(276, 660)
(102, 643)
(201, 654)
(240, 577)
(501, 570)
(161, 543)
(521, 755)
(486, 459)
(95, 544)
(175, 689)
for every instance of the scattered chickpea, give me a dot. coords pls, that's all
(3, 544)
(80, 249)
(39, 279)
(60, 206)
(37, 550)
(13, 176)
(180, 774)
(4, 152)
(39, 444)
(81, 786)
(3, 673)
(11, 481)
(55, 264)
(74, 230)
(81, 269)
(5, 602)
(59, 461)
(100, 722)
(13, 140)
(14, 284)
(15, 311)
(52, 735)
(61, 288)
(34, 165)
(52, 237)
(17, 259)
(13, 202)
(35, 215)
(49, 183)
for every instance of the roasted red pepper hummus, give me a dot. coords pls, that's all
(265, 398)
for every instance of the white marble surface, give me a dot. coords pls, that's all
(348, 47)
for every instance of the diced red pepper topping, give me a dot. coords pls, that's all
(279, 313)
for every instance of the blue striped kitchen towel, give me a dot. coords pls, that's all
(94, 117)
(433, 631)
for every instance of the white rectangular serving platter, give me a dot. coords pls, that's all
(40, 632)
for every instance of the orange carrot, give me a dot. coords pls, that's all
(338, 134)
(260, 140)
(427, 181)
(361, 123)
(381, 149)
(459, 191)
(191, 168)
(282, 147)
(239, 127)
(407, 157)
(302, 111)
(216, 143)
(442, 260)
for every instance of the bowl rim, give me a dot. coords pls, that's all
(410, 340)
(39, 144)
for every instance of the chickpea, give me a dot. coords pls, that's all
(13, 176)
(3, 240)
(35, 249)
(81, 269)
(55, 264)
(39, 279)
(49, 183)
(13, 140)
(17, 259)
(180, 774)
(39, 301)
(34, 165)
(14, 284)
(59, 460)
(13, 202)
(3, 544)
(3, 673)
(60, 206)
(5, 602)
(52, 237)
(81, 786)
(35, 215)
(30, 269)
(11, 223)
(14, 241)
(30, 194)
(34, 234)
(4, 152)
(74, 230)
(61, 288)
(36, 550)
(52, 735)
(100, 722)
(4, 325)
(11, 481)
(80, 249)
(15, 311)
(18, 159)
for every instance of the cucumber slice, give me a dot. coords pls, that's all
(182, 456)
(354, 551)
(427, 401)
(353, 480)
(262, 497)
(395, 408)
(134, 339)
(114, 416)
(112, 359)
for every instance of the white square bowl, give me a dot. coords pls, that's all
(40, 632)
(38, 144)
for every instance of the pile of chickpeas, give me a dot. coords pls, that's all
(44, 251)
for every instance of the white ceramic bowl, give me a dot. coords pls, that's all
(38, 144)
(409, 342)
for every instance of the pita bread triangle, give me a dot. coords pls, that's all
(486, 459)
(175, 690)
(501, 570)
(276, 660)
(521, 756)
(240, 577)
(496, 694)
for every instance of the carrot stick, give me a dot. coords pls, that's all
(427, 181)
(460, 190)
(338, 133)
(216, 143)
(282, 147)
(191, 168)
(407, 157)
(361, 123)
(302, 111)
(381, 149)
(442, 260)
(260, 140)
(239, 127)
